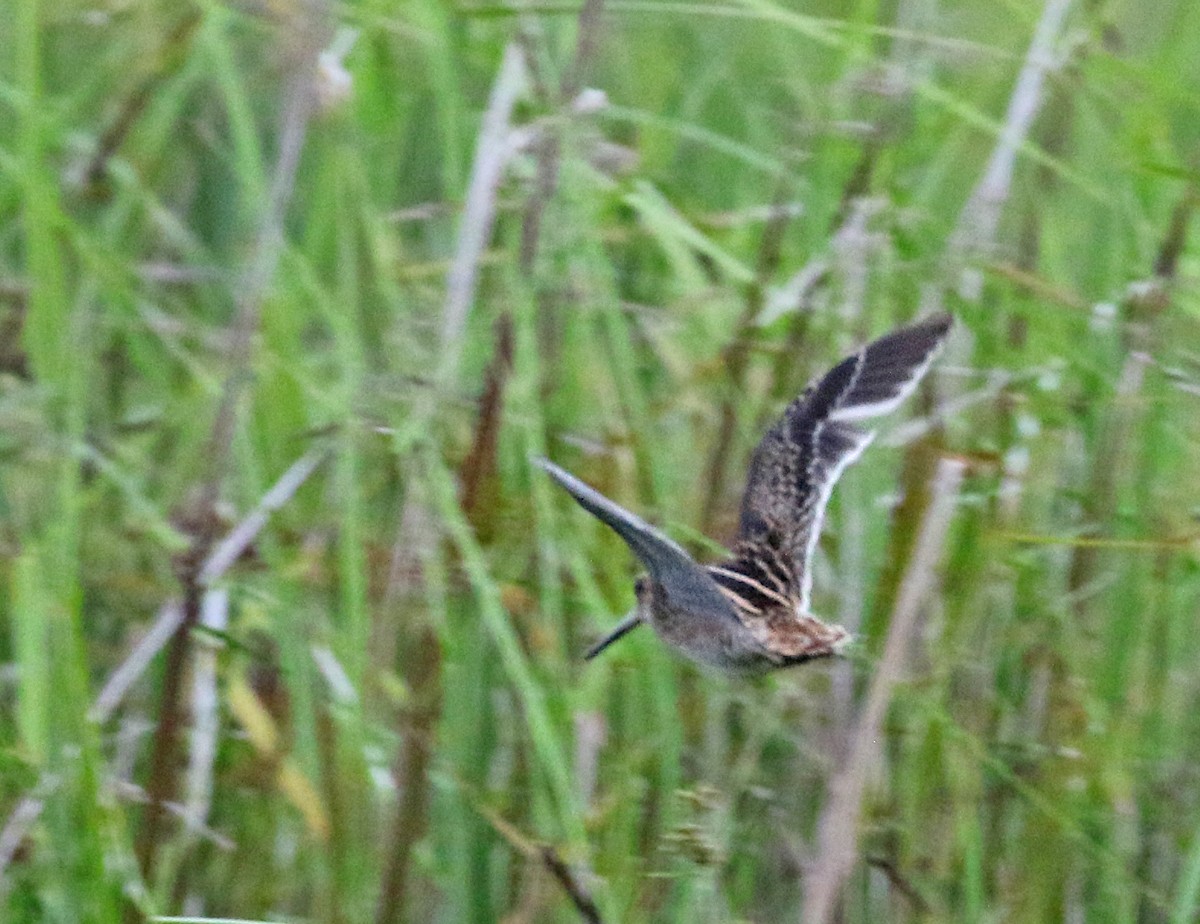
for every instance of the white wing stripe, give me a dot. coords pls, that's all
(739, 601)
(804, 566)
(749, 581)
(878, 408)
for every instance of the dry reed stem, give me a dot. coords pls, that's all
(129, 671)
(238, 540)
(980, 215)
(837, 837)
(169, 620)
(492, 154)
(206, 717)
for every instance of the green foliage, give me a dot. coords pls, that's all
(401, 724)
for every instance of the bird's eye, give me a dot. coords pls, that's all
(639, 587)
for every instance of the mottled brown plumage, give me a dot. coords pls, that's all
(750, 612)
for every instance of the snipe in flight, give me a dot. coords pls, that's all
(750, 612)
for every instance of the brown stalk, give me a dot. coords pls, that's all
(171, 56)
(335, 804)
(576, 891)
(412, 771)
(859, 182)
(200, 519)
(548, 156)
(164, 750)
(580, 897)
(1166, 264)
(479, 466)
(901, 883)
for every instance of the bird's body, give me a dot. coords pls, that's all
(737, 640)
(750, 612)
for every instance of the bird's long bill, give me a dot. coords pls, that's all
(685, 583)
(631, 621)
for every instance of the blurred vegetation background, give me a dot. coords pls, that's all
(292, 293)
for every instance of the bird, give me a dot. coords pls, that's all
(749, 613)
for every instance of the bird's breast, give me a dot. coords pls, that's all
(711, 640)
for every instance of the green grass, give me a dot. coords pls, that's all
(405, 722)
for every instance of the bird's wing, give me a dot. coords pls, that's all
(801, 457)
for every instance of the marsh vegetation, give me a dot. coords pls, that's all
(292, 296)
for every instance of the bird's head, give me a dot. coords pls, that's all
(673, 582)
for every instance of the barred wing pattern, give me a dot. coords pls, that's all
(801, 457)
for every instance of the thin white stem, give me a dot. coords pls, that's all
(492, 153)
(837, 837)
(206, 718)
(229, 549)
(980, 216)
